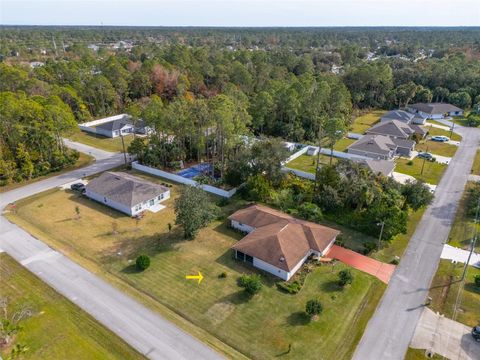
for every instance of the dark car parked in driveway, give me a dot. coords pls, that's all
(78, 187)
(476, 333)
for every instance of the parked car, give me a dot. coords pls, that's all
(425, 155)
(476, 333)
(78, 187)
(440, 138)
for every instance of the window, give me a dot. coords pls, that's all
(240, 255)
(249, 259)
(104, 199)
(152, 202)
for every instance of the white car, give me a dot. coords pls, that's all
(440, 138)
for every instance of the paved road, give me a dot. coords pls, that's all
(445, 337)
(391, 328)
(143, 329)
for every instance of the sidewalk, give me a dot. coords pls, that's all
(459, 255)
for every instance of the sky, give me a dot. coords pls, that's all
(241, 12)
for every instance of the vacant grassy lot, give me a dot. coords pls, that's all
(463, 226)
(101, 142)
(82, 161)
(216, 305)
(437, 148)
(433, 131)
(364, 122)
(432, 172)
(58, 329)
(308, 163)
(476, 164)
(444, 290)
(342, 144)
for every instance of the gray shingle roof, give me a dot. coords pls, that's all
(125, 189)
(395, 128)
(400, 115)
(376, 144)
(384, 167)
(435, 108)
(407, 144)
(116, 124)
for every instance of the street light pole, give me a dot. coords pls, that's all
(124, 151)
(474, 239)
(451, 129)
(424, 159)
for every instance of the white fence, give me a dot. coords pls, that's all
(299, 173)
(182, 180)
(354, 136)
(296, 155)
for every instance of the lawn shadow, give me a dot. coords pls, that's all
(472, 288)
(225, 230)
(237, 298)
(130, 269)
(298, 318)
(331, 286)
(95, 205)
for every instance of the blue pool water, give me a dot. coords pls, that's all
(195, 170)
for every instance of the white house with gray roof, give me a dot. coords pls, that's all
(435, 110)
(381, 147)
(404, 116)
(126, 193)
(396, 129)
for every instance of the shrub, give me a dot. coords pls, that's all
(345, 277)
(395, 261)
(477, 280)
(368, 247)
(313, 308)
(410, 162)
(222, 275)
(292, 288)
(142, 263)
(251, 283)
(310, 211)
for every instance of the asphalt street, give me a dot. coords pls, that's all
(140, 327)
(391, 328)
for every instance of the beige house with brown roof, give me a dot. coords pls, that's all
(277, 242)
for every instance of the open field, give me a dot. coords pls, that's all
(58, 329)
(476, 164)
(308, 163)
(444, 290)
(437, 148)
(101, 142)
(432, 172)
(216, 305)
(433, 131)
(463, 226)
(364, 122)
(82, 161)
(342, 144)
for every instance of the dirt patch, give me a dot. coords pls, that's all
(219, 312)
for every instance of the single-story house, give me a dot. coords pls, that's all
(126, 193)
(381, 147)
(403, 116)
(277, 242)
(396, 129)
(378, 166)
(122, 125)
(435, 110)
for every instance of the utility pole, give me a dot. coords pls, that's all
(382, 224)
(451, 130)
(474, 239)
(124, 151)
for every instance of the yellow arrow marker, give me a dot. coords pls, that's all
(198, 277)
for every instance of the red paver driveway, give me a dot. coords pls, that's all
(363, 263)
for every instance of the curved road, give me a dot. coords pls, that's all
(391, 328)
(140, 327)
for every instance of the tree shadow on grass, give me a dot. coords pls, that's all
(472, 288)
(95, 205)
(298, 318)
(237, 298)
(331, 286)
(130, 269)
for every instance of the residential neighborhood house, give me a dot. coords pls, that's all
(397, 130)
(115, 126)
(381, 147)
(278, 243)
(126, 193)
(377, 166)
(404, 116)
(435, 110)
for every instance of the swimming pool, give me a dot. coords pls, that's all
(195, 170)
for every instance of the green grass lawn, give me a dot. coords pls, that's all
(430, 121)
(308, 163)
(419, 354)
(444, 290)
(216, 305)
(432, 172)
(463, 226)
(433, 131)
(460, 121)
(437, 148)
(82, 161)
(101, 142)
(58, 329)
(476, 164)
(365, 122)
(342, 144)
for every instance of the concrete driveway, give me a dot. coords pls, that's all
(143, 329)
(450, 339)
